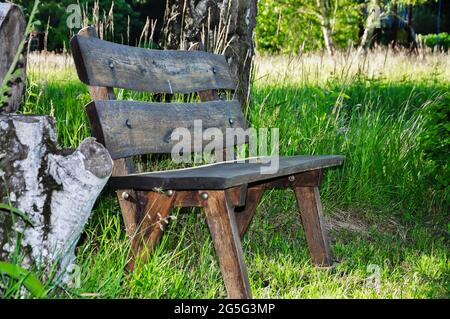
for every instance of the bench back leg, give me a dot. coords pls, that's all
(308, 200)
(122, 166)
(244, 217)
(150, 226)
(227, 243)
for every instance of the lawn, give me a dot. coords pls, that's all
(388, 221)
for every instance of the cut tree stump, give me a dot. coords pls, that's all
(55, 188)
(12, 29)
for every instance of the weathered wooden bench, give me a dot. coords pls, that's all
(229, 192)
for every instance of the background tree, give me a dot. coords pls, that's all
(324, 14)
(296, 25)
(287, 26)
(222, 26)
(372, 22)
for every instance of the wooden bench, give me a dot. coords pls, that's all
(228, 191)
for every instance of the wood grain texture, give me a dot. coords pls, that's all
(245, 215)
(225, 235)
(234, 188)
(129, 207)
(309, 178)
(185, 198)
(237, 195)
(128, 198)
(150, 226)
(222, 175)
(103, 63)
(209, 95)
(129, 128)
(188, 199)
(308, 200)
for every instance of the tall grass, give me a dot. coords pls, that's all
(381, 208)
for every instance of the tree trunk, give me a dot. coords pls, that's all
(325, 14)
(412, 41)
(373, 16)
(221, 26)
(438, 19)
(55, 188)
(12, 29)
(395, 26)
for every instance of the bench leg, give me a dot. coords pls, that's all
(128, 199)
(149, 229)
(225, 235)
(308, 200)
(244, 217)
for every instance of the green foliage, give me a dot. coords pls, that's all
(290, 25)
(440, 41)
(24, 278)
(435, 141)
(53, 15)
(13, 210)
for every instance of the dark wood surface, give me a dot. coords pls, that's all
(103, 63)
(233, 189)
(150, 226)
(245, 215)
(129, 128)
(222, 175)
(225, 236)
(309, 178)
(308, 200)
(122, 166)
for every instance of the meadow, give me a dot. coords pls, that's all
(388, 221)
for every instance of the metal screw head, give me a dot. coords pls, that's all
(291, 178)
(169, 192)
(125, 196)
(205, 196)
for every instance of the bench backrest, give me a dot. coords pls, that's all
(129, 128)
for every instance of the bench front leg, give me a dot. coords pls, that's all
(308, 200)
(227, 243)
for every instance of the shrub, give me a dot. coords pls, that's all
(435, 143)
(440, 41)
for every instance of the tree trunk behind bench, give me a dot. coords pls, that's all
(187, 22)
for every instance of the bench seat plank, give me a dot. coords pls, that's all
(222, 175)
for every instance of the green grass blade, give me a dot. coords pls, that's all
(17, 212)
(31, 283)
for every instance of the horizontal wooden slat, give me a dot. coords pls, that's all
(223, 175)
(103, 63)
(130, 128)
